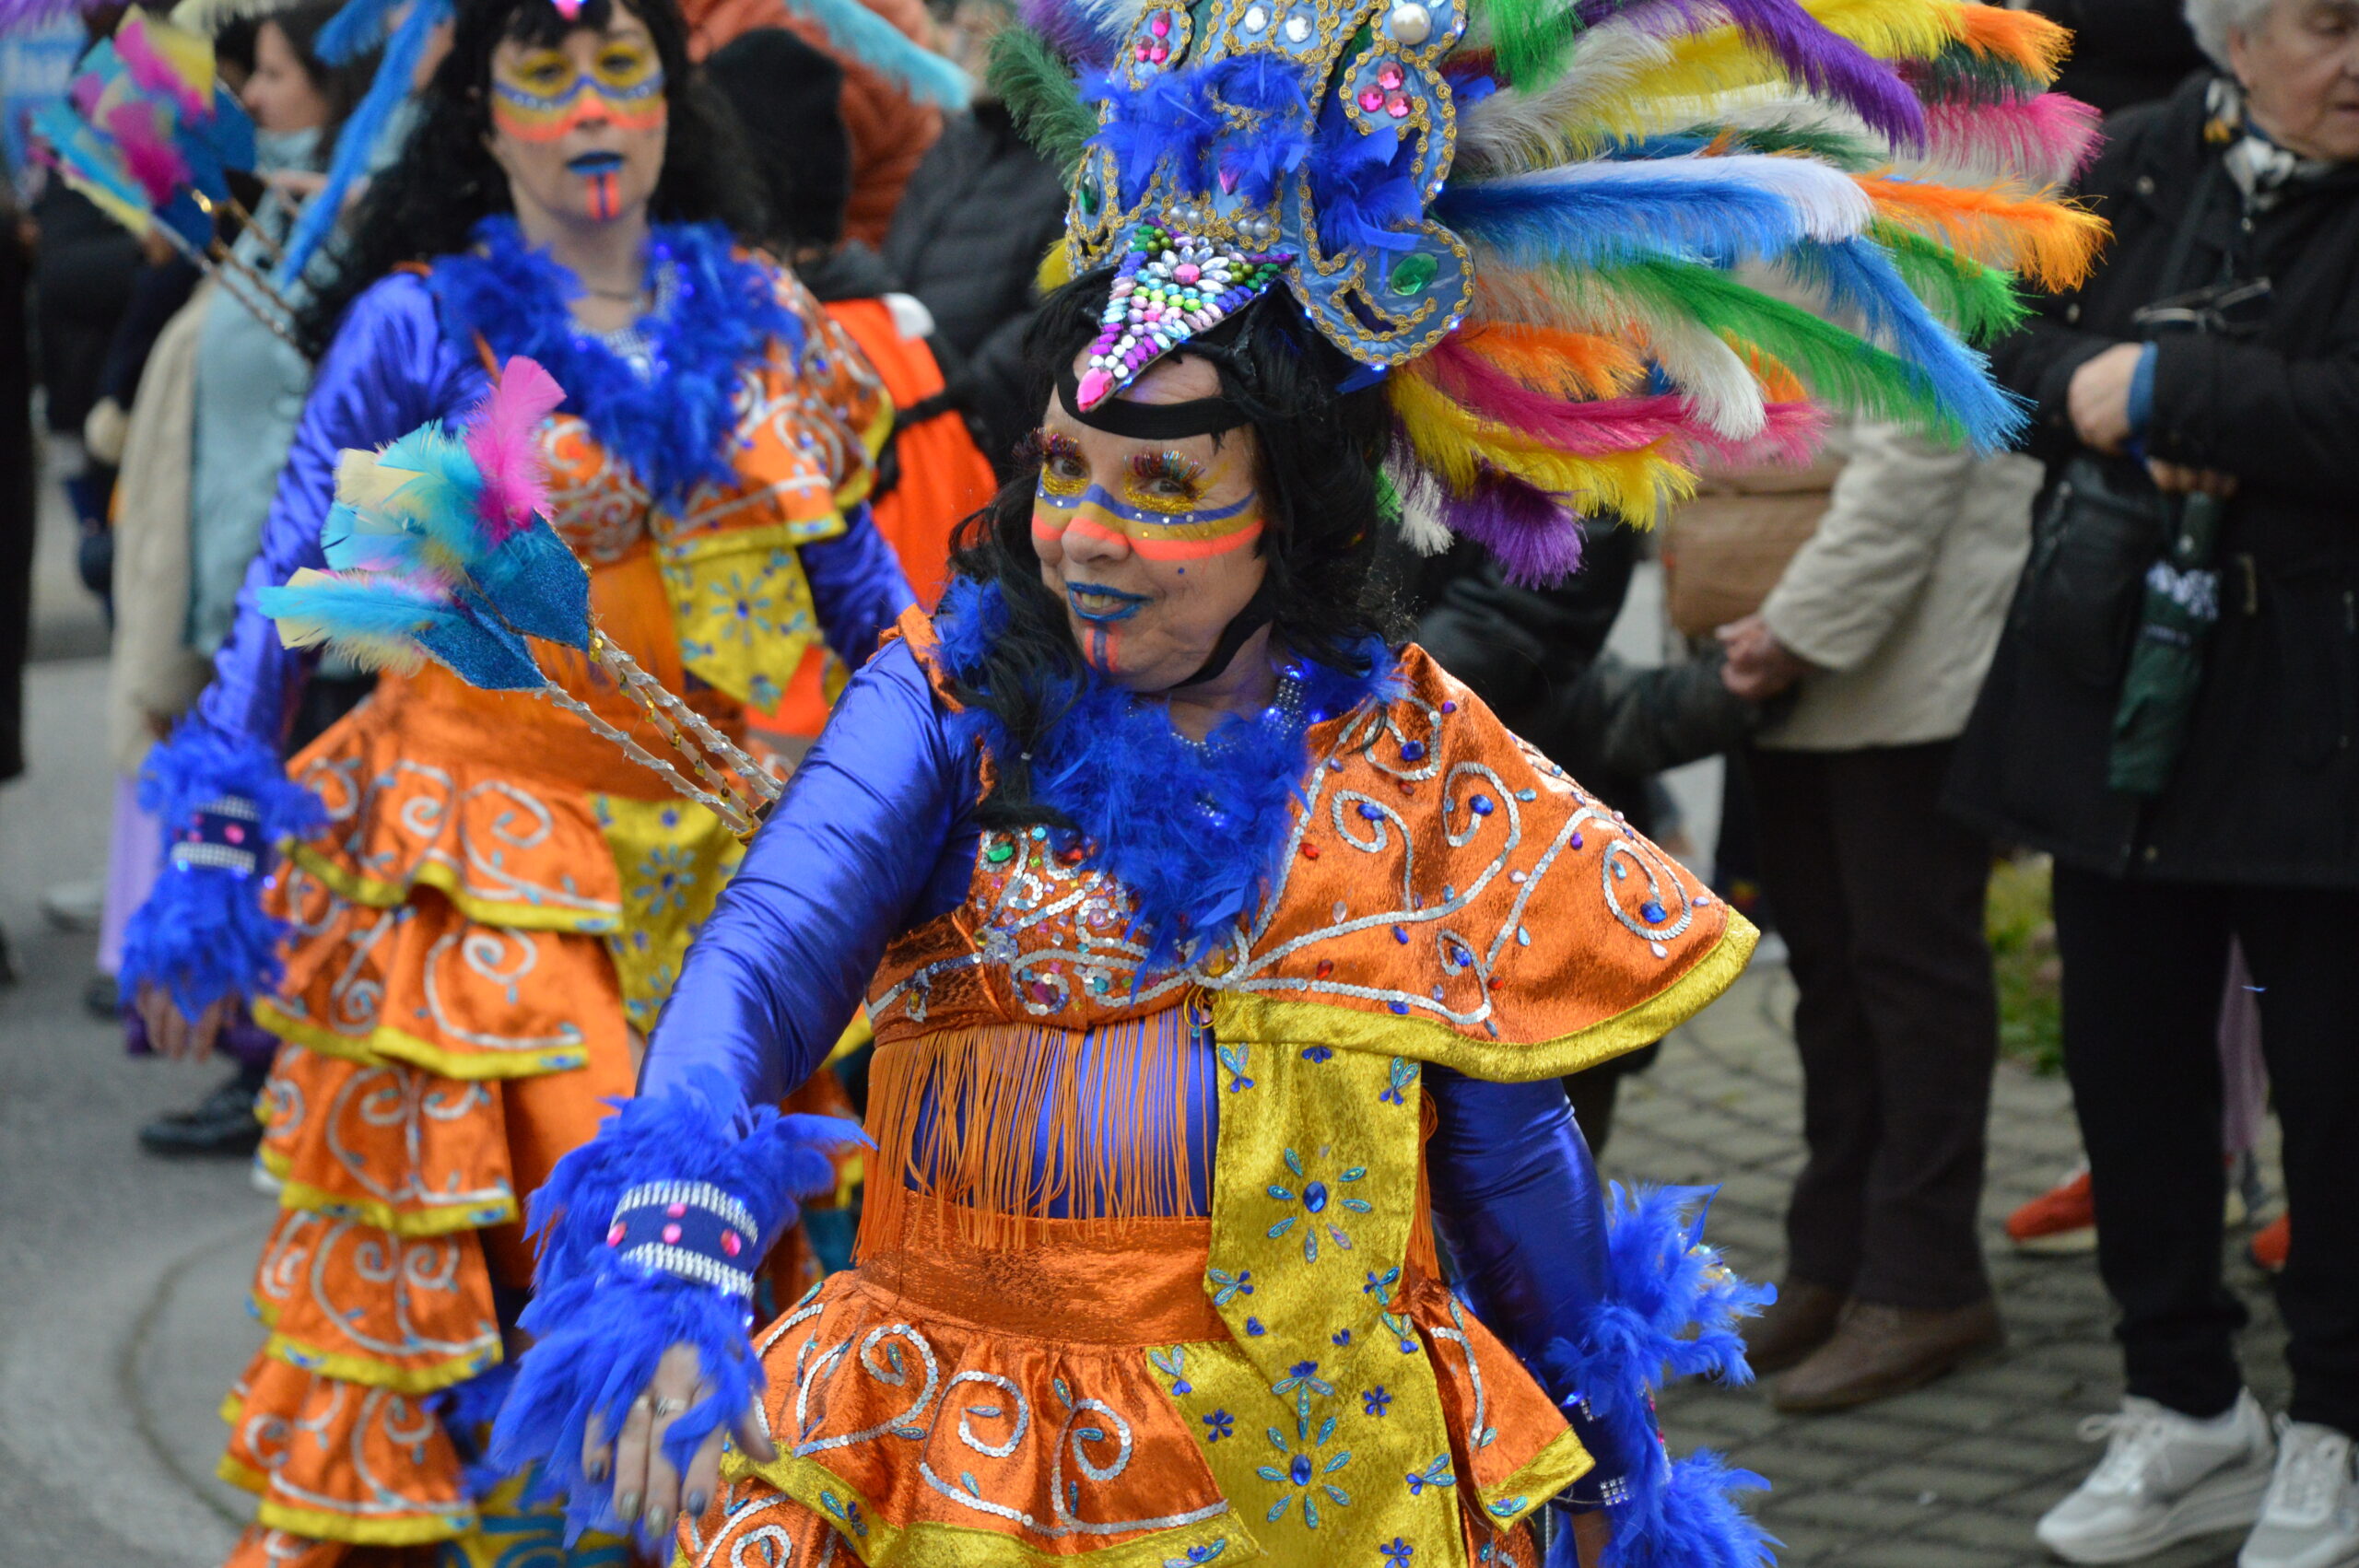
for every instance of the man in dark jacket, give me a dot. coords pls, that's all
(967, 240)
(2214, 355)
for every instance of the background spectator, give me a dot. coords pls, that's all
(976, 218)
(2214, 354)
(1884, 621)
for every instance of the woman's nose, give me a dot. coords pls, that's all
(1090, 542)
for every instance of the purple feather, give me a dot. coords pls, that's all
(1069, 30)
(1535, 538)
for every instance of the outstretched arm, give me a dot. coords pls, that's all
(643, 1356)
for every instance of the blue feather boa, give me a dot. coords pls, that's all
(202, 934)
(600, 1324)
(1670, 1311)
(1191, 832)
(676, 426)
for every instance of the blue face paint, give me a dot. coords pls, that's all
(1113, 604)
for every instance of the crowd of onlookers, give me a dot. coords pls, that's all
(2131, 647)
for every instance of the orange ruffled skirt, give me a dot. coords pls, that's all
(499, 897)
(1062, 1400)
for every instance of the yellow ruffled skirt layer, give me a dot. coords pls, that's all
(498, 895)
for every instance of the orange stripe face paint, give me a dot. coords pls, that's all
(1158, 513)
(543, 98)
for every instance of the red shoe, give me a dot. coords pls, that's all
(2062, 1219)
(2267, 1248)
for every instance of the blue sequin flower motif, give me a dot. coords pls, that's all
(665, 875)
(1376, 1400)
(1317, 1200)
(1397, 1552)
(1219, 1424)
(1304, 1473)
(1436, 1474)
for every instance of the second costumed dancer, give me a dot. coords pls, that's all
(484, 904)
(1224, 956)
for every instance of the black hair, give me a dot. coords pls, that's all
(1320, 451)
(445, 182)
(787, 97)
(341, 86)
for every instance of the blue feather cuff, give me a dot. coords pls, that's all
(614, 1291)
(224, 803)
(1670, 1311)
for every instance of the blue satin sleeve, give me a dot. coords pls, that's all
(390, 370)
(858, 588)
(872, 837)
(1518, 1202)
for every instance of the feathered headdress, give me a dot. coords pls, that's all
(1589, 244)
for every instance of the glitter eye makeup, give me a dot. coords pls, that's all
(1063, 470)
(1164, 482)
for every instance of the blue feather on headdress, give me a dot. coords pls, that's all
(353, 31)
(857, 32)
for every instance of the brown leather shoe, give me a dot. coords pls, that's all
(1877, 1352)
(1797, 1323)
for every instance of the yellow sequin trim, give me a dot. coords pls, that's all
(386, 1043)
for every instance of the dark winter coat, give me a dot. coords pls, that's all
(2267, 789)
(974, 222)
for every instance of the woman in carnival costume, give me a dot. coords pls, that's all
(1223, 958)
(481, 904)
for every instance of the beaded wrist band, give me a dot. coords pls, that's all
(689, 1228)
(227, 836)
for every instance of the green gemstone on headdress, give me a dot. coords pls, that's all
(1412, 273)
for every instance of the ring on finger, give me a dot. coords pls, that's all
(665, 1409)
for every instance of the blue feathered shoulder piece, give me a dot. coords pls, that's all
(718, 312)
(649, 1235)
(226, 804)
(1192, 831)
(1670, 1311)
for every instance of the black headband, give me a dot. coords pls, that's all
(1152, 421)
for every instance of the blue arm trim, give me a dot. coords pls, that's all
(858, 590)
(866, 842)
(223, 803)
(601, 1317)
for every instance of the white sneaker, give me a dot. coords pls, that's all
(2311, 1519)
(2166, 1478)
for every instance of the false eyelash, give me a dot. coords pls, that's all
(1166, 467)
(1045, 446)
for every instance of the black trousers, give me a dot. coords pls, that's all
(1880, 899)
(2143, 966)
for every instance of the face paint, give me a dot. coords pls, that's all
(1157, 535)
(600, 170)
(542, 98)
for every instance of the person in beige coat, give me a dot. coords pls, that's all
(1884, 621)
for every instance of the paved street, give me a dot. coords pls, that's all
(121, 1276)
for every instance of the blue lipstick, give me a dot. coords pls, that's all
(595, 162)
(1112, 605)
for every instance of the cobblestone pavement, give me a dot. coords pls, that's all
(1950, 1476)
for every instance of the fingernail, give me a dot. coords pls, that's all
(656, 1522)
(628, 1506)
(595, 1469)
(696, 1504)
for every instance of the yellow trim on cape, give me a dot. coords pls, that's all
(375, 893)
(936, 1544)
(386, 1043)
(374, 1374)
(321, 1526)
(1546, 1475)
(293, 1194)
(1257, 1020)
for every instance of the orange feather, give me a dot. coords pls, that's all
(1572, 364)
(2045, 239)
(2025, 38)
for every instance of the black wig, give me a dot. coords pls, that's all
(1320, 452)
(445, 182)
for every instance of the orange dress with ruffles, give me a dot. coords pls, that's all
(491, 917)
(1285, 1377)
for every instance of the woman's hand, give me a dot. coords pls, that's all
(170, 1033)
(2098, 397)
(648, 1491)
